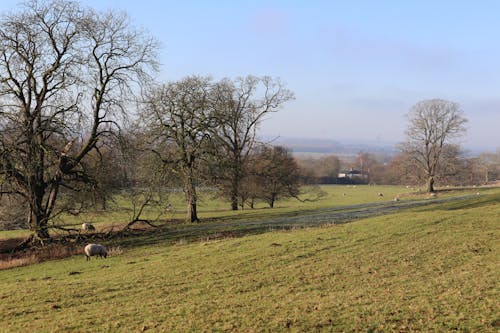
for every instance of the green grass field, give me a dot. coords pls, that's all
(211, 207)
(431, 268)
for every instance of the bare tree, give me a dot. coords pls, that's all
(328, 167)
(65, 75)
(146, 184)
(249, 188)
(452, 165)
(276, 174)
(179, 118)
(432, 125)
(403, 169)
(241, 105)
(370, 165)
(322, 170)
(488, 166)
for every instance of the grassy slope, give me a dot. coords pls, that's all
(211, 207)
(433, 268)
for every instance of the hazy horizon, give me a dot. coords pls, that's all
(356, 68)
(467, 148)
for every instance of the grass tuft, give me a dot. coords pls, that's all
(115, 250)
(34, 256)
(18, 262)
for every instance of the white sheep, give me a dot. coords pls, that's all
(87, 227)
(95, 250)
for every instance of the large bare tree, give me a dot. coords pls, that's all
(241, 105)
(433, 124)
(179, 118)
(66, 75)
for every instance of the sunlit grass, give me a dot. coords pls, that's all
(213, 207)
(432, 268)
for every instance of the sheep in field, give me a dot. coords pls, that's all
(87, 227)
(95, 250)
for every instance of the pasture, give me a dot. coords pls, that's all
(428, 268)
(212, 208)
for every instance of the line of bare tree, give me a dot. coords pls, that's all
(69, 77)
(205, 130)
(82, 119)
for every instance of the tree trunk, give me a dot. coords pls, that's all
(43, 231)
(37, 216)
(272, 200)
(192, 213)
(430, 184)
(38, 223)
(234, 192)
(103, 202)
(191, 200)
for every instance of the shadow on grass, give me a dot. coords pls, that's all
(175, 232)
(230, 227)
(481, 200)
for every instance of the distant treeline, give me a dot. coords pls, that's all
(367, 168)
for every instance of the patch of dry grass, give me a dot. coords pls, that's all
(37, 255)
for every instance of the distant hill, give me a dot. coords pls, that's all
(346, 149)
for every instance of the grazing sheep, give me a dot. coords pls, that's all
(396, 199)
(380, 194)
(88, 227)
(95, 250)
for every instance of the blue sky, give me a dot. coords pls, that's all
(356, 67)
